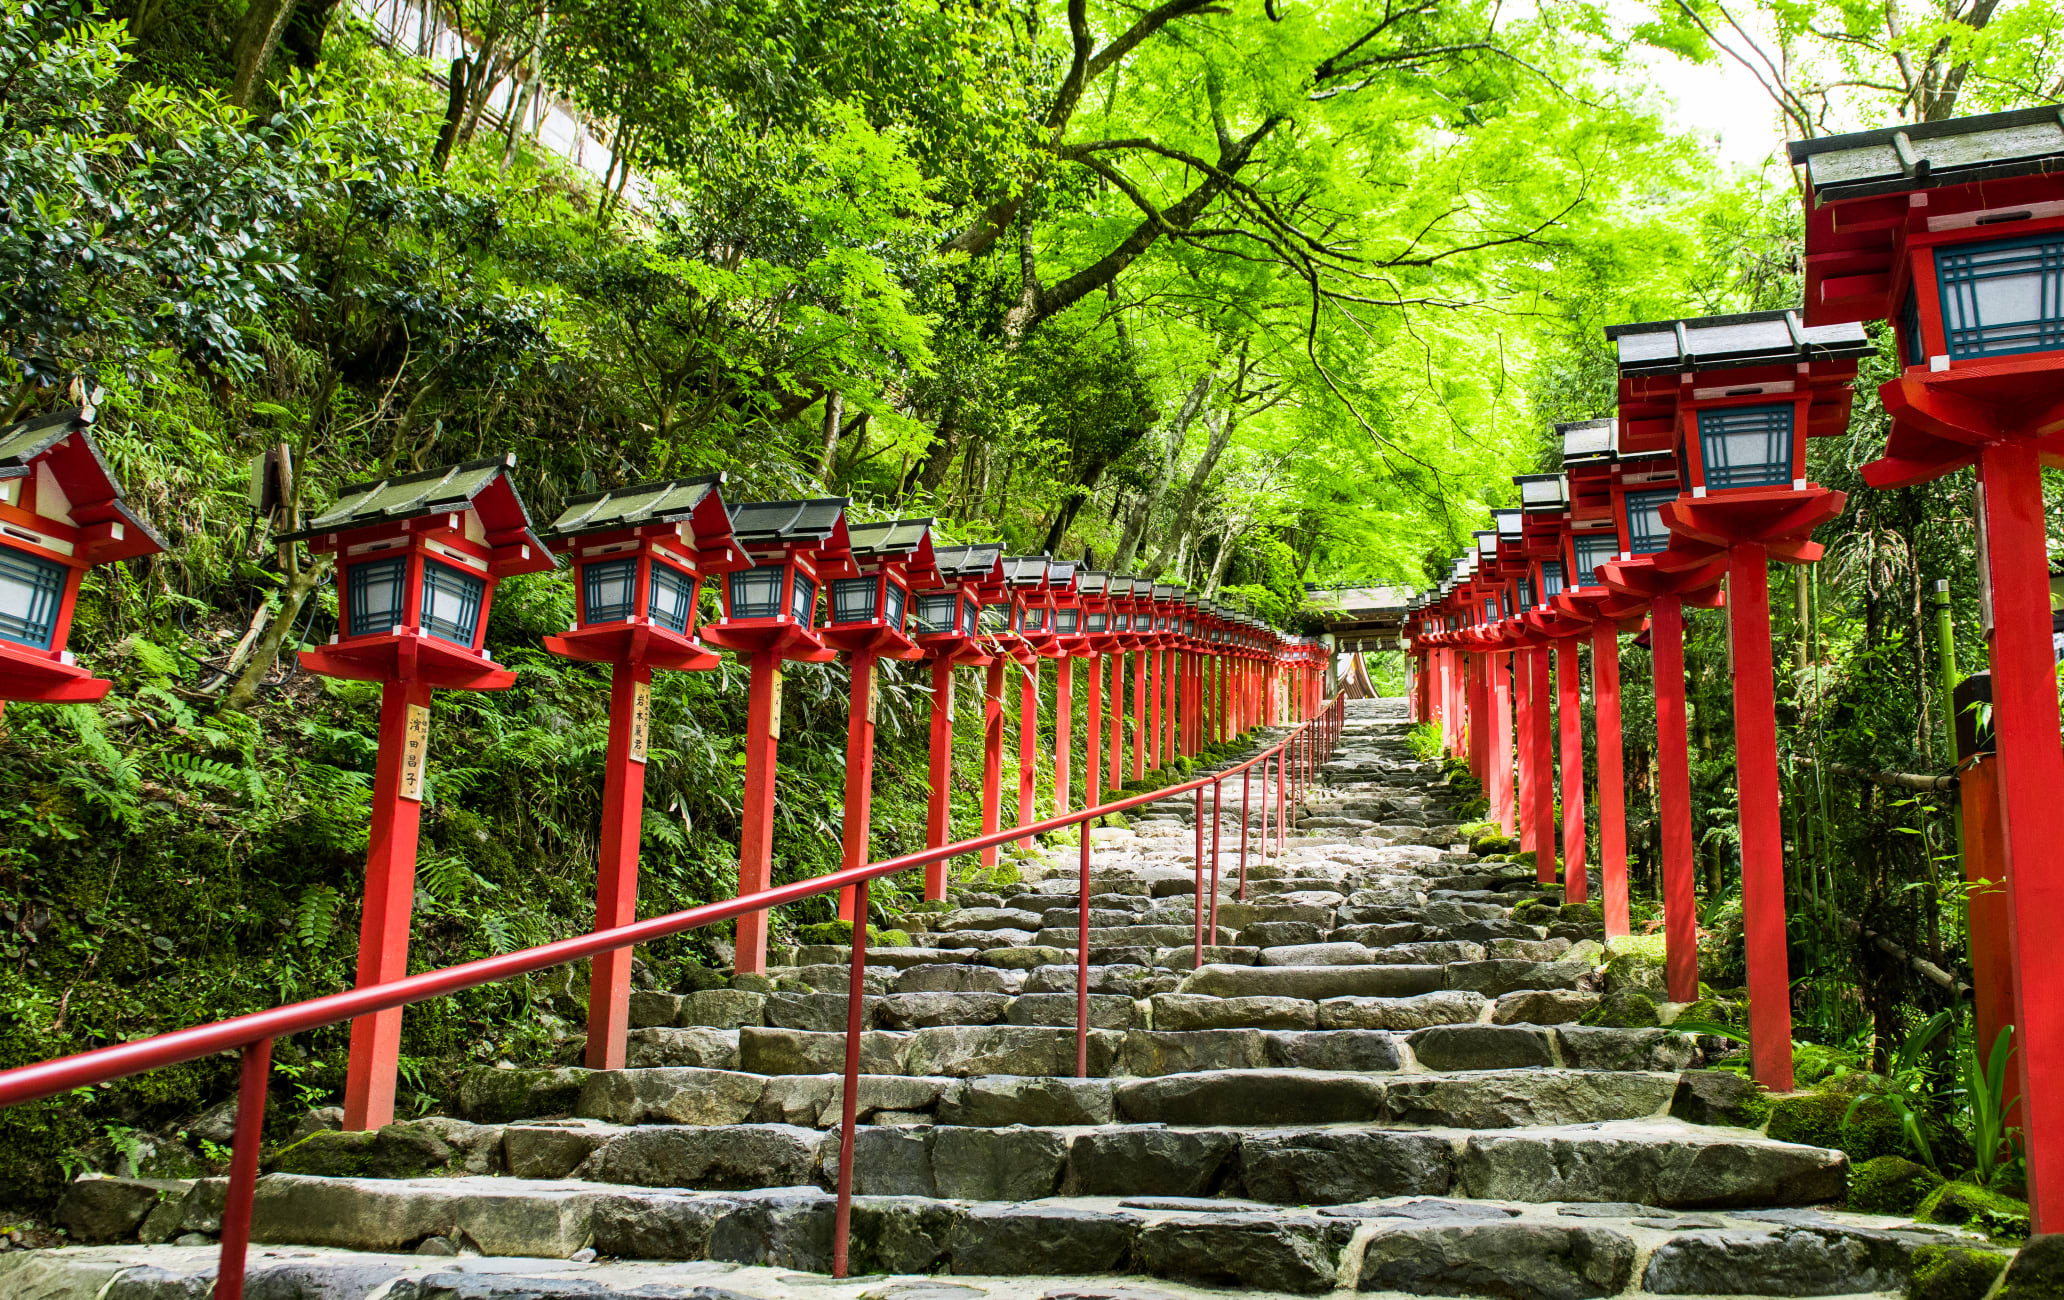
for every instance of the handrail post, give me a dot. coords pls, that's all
(1217, 834)
(1197, 856)
(254, 1069)
(1082, 962)
(849, 1104)
(1282, 797)
(1246, 793)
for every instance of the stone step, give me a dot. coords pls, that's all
(351, 1240)
(1463, 1098)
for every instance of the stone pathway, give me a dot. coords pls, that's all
(1375, 1082)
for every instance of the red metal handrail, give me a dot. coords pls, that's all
(252, 1035)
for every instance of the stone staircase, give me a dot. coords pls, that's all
(1376, 1081)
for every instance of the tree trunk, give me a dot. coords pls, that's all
(303, 37)
(1142, 512)
(300, 586)
(255, 42)
(834, 413)
(454, 110)
(1174, 542)
(1225, 552)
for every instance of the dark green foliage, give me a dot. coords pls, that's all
(1623, 1009)
(1890, 1185)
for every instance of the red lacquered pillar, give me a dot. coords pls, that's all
(1543, 742)
(1064, 707)
(383, 928)
(939, 799)
(1501, 742)
(1174, 687)
(1758, 802)
(1992, 964)
(756, 822)
(1154, 693)
(1479, 717)
(992, 755)
(1576, 883)
(859, 820)
(1673, 798)
(1612, 794)
(1523, 748)
(1028, 741)
(616, 868)
(1093, 733)
(2025, 724)
(1116, 758)
(1139, 715)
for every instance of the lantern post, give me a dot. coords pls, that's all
(1142, 637)
(1743, 393)
(61, 513)
(1954, 230)
(769, 619)
(867, 618)
(944, 622)
(639, 555)
(419, 558)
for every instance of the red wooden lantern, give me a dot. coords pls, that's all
(867, 618)
(61, 513)
(1954, 230)
(639, 555)
(418, 558)
(769, 616)
(944, 621)
(1741, 395)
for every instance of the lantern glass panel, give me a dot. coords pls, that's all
(1911, 347)
(1189, 627)
(968, 617)
(934, 612)
(1066, 621)
(1035, 619)
(608, 588)
(2002, 297)
(1747, 446)
(1097, 621)
(375, 589)
(1551, 579)
(897, 602)
(1593, 549)
(671, 601)
(1526, 593)
(1490, 611)
(756, 592)
(995, 618)
(802, 601)
(31, 592)
(451, 602)
(1646, 531)
(852, 600)
(1505, 602)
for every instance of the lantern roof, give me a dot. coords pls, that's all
(1165, 591)
(820, 521)
(1060, 574)
(1587, 442)
(904, 542)
(1925, 155)
(1751, 339)
(671, 502)
(1091, 583)
(1541, 493)
(1027, 572)
(484, 487)
(58, 440)
(1487, 543)
(979, 562)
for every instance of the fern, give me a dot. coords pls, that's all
(314, 920)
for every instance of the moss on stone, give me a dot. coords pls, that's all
(697, 979)
(396, 1151)
(1890, 1185)
(2037, 1272)
(1994, 1213)
(1945, 1271)
(1623, 1009)
(1636, 972)
(1815, 1119)
(1526, 859)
